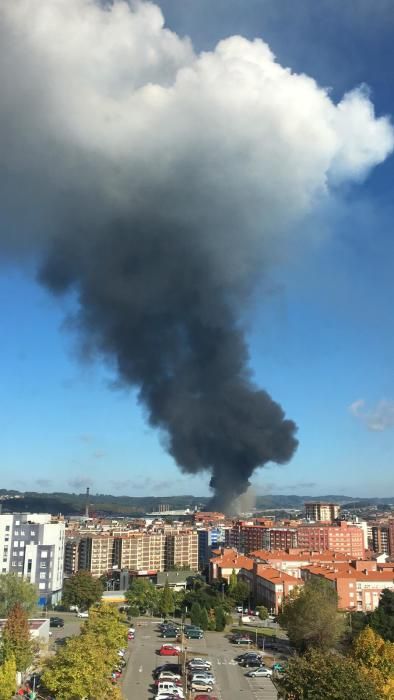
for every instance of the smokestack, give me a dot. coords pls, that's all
(87, 503)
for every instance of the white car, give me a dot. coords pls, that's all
(173, 691)
(260, 672)
(202, 678)
(169, 676)
(83, 613)
(199, 662)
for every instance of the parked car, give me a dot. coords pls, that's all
(174, 668)
(251, 663)
(130, 636)
(261, 672)
(56, 622)
(239, 609)
(204, 697)
(248, 655)
(200, 686)
(198, 661)
(194, 634)
(83, 613)
(278, 667)
(241, 640)
(169, 650)
(203, 677)
(169, 634)
(167, 687)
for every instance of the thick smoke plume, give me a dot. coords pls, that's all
(158, 185)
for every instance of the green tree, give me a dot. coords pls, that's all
(16, 640)
(321, 675)
(240, 593)
(15, 589)
(143, 595)
(382, 619)
(82, 589)
(166, 601)
(232, 582)
(195, 614)
(204, 619)
(220, 619)
(80, 669)
(7, 678)
(107, 625)
(310, 616)
(263, 612)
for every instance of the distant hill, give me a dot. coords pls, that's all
(106, 504)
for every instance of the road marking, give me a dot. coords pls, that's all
(140, 669)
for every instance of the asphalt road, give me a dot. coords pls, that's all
(72, 626)
(231, 681)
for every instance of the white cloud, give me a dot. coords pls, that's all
(104, 107)
(377, 418)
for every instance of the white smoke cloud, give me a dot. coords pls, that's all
(105, 102)
(377, 418)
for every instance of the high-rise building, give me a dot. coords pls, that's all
(181, 549)
(321, 512)
(33, 548)
(342, 537)
(380, 539)
(391, 536)
(140, 551)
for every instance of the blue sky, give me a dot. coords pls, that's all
(320, 341)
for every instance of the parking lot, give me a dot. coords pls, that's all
(231, 681)
(72, 626)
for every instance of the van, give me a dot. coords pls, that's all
(169, 687)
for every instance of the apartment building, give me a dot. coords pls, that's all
(268, 586)
(181, 549)
(132, 551)
(225, 562)
(380, 539)
(342, 537)
(32, 546)
(140, 551)
(391, 536)
(359, 585)
(321, 512)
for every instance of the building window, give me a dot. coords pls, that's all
(22, 533)
(41, 586)
(42, 574)
(16, 544)
(7, 528)
(17, 522)
(4, 570)
(32, 533)
(21, 544)
(44, 555)
(43, 565)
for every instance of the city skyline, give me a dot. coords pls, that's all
(319, 325)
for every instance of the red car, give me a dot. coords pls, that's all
(168, 650)
(130, 636)
(204, 697)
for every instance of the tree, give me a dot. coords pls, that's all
(310, 616)
(382, 619)
(143, 595)
(376, 658)
(204, 619)
(106, 625)
(16, 640)
(220, 619)
(15, 589)
(263, 612)
(195, 614)
(321, 675)
(166, 601)
(82, 589)
(240, 593)
(80, 669)
(8, 678)
(232, 582)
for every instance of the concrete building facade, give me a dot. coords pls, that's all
(32, 546)
(321, 512)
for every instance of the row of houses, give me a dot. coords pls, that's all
(271, 576)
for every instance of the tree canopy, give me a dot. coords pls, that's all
(376, 659)
(166, 601)
(15, 589)
(310, 616)
(82, 589)
(16, 642)
(7, 678)
(143, 595)
(322, 675)
(382, 619)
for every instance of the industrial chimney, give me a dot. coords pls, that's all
(87, 503)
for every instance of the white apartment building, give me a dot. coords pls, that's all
(33, 547)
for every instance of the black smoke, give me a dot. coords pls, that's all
(150, 298)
